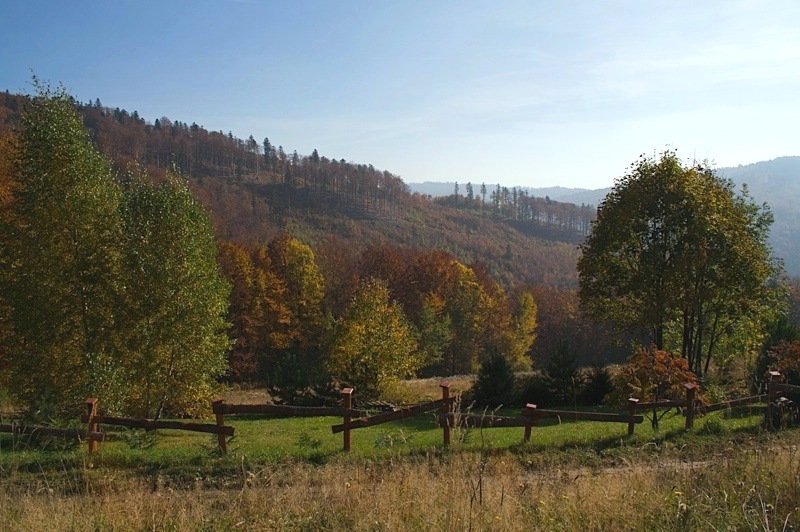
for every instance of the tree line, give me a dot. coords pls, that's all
(517, 205)
(366, 319)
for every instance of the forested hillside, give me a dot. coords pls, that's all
(255, 190)
(337, 272)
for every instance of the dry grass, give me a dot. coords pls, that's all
(407, 391)
(756, 489)
(247, 396)
(429, 389)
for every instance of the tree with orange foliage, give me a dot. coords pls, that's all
(652, 374)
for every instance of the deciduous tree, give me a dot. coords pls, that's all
(176, 298)
(677, 252)
(374, 344)
(61, 262)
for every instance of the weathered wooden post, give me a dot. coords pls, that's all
(691, 392)
(347, 402)
(632, 402)
(530, 421)
(218, 407)
(772, 396)
(91, 411)
(446, 410)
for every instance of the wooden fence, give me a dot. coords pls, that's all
(221, 408)
(94, 421)
(354, 419)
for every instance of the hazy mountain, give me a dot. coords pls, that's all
(775, 182)
(582, 196)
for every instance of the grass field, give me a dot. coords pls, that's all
(290, 474)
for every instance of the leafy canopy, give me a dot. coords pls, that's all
(111, 291)
(677, 252)
(375, 345)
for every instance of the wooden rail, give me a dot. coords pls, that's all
(386, 417)
(482, 421)
(731, 404)
(34, 430)
(222, 407)
(154, 424)
(661, 404)
(573, 415)
(786, 388)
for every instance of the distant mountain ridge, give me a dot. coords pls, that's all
(775, 182)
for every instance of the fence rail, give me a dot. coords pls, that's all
(484, 421)
(575, 415)
(222, 407)
(386, 417)
(725, 405)
(35, 430)
(154, 424)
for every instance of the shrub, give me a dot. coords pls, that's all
(494, 385)
(563, 373)
(533, 389)
(597, 385)
(652, 374)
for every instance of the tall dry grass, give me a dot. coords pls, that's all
(747, 489)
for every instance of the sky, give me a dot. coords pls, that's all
(529, 93)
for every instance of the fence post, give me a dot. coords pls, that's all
(445, 386)
(632, 402)
(529, 422)
(347, 402)
(691, 391)
(217, 407)
(91, 410)
(772, 396)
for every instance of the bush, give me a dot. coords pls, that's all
(494, 385)
(781, 332)
(652, 374)
(296, 382)
(563, 374)
(597, 384)
(533, 389)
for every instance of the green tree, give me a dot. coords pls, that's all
(677, 252)
(294, 264)
(522, 332)
(494, 385)
(113, 293)
(435, 332)
(177, 299)
(61, 262)
(374, 343)
(563, 373)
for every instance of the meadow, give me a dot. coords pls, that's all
(290, 474)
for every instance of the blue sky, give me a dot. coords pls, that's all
(523, 93)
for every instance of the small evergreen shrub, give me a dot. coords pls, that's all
(596, 385)
(563, 374)
(494, 385)
(533, 389)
